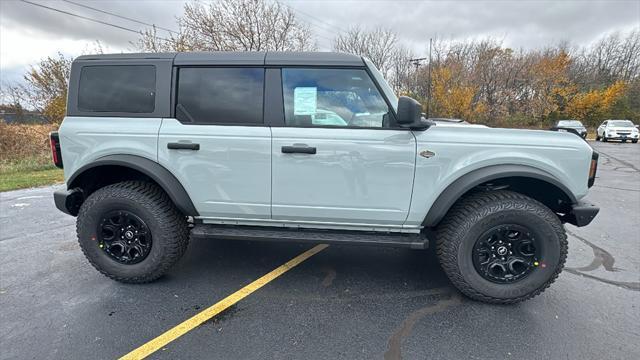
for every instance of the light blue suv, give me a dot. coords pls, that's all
(311, 147)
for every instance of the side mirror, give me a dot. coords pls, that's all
(410, 114)
(409, 111)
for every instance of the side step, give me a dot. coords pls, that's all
(208, 231)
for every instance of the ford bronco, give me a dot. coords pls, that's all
(312, 147)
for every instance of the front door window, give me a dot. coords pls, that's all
(332, 97)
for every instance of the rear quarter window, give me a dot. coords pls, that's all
(117, 88)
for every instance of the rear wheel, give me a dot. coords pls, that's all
(604, 139)
(131, 231)
(634, 141)
(501, 247)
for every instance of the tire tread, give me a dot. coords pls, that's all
(466, 212)
(173, 224)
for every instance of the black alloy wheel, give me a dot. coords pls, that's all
(124, 236)
(506, 253)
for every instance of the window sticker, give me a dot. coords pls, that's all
(305, 100)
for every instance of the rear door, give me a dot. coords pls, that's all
(218, 145)
(336, 157)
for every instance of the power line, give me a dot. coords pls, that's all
(330, 27)
(124, 17)
(89, 19)
(119, 16)
(319, 27)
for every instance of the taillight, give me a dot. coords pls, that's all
(593, 168)
(56, 154)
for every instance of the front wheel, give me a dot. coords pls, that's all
(634, 141)
(597, 137)
(501, 247)
(131, 231)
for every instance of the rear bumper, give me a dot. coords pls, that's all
(581, 214)
(68, 201)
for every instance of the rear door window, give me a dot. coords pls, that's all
(117, 88)
(222, 96)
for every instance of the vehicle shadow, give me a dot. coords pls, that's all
(377, 268)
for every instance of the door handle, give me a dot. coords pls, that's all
(183, 146)
(298, 149)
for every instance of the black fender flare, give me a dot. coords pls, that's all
(158, 173)
(468, 181)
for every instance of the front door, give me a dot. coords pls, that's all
(218, 146)
(337, 159)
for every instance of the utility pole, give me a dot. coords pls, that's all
(417, 62)
(429, 84)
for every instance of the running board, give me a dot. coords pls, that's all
(208, 231)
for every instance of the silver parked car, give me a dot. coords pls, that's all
(573, 126)
(622, 130)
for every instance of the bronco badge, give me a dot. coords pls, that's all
(427, 154)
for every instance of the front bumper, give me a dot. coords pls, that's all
(622, 137)
(68, 201)
(581, 214)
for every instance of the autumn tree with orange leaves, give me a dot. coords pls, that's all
(485, 82)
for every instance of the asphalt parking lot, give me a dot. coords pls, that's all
(342, 303)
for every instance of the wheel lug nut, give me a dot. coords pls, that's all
(502, 258)
(510, 253)
(493, 255)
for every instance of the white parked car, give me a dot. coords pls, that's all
(622, 130)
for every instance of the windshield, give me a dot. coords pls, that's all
(569, 123)
(620, 123)
(386, 89)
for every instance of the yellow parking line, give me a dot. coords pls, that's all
(188, 325)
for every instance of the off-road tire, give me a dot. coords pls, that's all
(169, 230)
(472, 216)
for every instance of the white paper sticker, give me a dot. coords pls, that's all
(305, 100)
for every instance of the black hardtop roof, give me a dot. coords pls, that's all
(257, 58)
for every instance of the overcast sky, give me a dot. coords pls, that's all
(29, 33)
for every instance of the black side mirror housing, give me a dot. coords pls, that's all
(410, 114)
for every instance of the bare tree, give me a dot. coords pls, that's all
(379, 45)
(233, 25)
(612, 58)
(401, 75)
